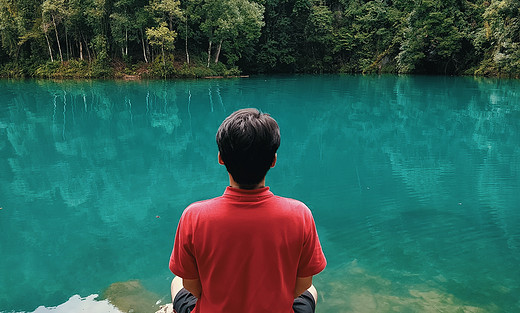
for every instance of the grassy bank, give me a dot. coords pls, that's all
(115, 69)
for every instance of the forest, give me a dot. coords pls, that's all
(199, 38)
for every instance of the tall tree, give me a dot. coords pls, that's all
(190, 30)
(143, 20)
(80, 29)
(165, 13)
(53, 13)
(121, 23)
(162, 37)
(98, 17)
(239, 21)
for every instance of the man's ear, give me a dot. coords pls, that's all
(274, 161)
(220, 161)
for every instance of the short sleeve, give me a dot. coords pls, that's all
(182, 259)
(312, 260)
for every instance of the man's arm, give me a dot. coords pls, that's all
(302, 284)
(193, 286)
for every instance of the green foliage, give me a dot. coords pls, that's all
(47, 70)
(100, 69)
(367, 35)
(9, 29)
(100, 47)
(161, 37)
(72, 69)
(500, 37)
(11, 70)
(234, 24)
(102, 38)
(199, 71)
(166, 10)
(163, 67)
(432, 38)
(171, 69)
(276, 49)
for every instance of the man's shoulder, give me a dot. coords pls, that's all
(201, 204)
(292, 204)
(289, 200)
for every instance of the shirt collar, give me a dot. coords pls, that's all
(248, 194)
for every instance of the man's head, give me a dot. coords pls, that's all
(247, 142)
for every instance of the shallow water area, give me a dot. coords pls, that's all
(413, 183)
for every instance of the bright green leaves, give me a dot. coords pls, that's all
(162, 37)
(501, 35)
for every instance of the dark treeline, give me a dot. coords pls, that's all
(191, 38)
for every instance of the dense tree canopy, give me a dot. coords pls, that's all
(194, 37)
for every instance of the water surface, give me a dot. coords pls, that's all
(413, 181)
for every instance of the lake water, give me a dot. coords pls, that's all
(414, 183)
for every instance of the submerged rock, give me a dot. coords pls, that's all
(131, 297)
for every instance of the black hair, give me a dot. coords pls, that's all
(247, 141)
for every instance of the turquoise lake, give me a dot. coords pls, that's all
(414, 183)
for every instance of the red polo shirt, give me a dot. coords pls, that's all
(247, 247)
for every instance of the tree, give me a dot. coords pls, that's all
(53, 13)
(500, 37)
(166, 10)
(366, 35)
(98, 18)
(121, 23)
(239, 43)
(318, 34)
(432, 38)
(162, 37)
(9, 30)
(143, 20)
(276, 51)
(236, 20)
(77, 23)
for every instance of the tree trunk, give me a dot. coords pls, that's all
(209, 52)
(49, 45)
(57, 38)
(88, 50)
(67, 50)
(126, 41)
(186, 41)
(163, 58)
(218, 51)
(144, 49)
(80, 50)
(148, 52)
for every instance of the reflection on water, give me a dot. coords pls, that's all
(413, 182)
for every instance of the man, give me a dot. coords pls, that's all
(247, 251)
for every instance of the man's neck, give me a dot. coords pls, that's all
(234, 184)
